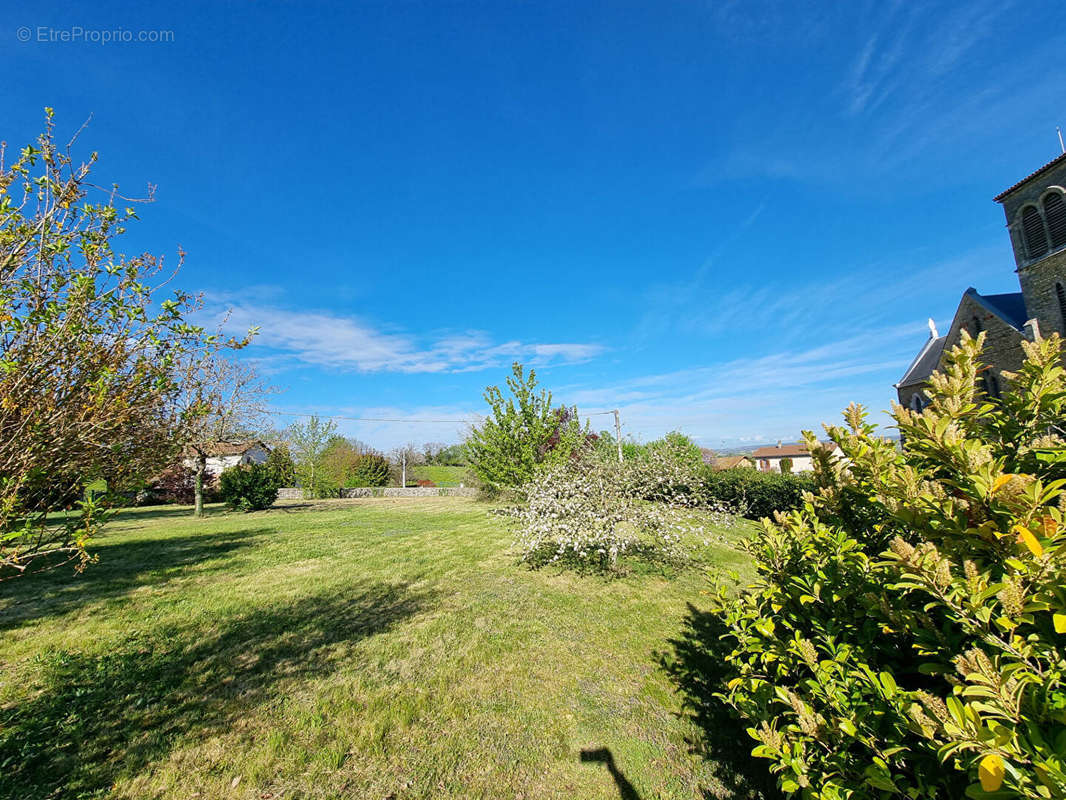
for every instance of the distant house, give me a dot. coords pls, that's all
(768, 459)
(731, 462)
(223, 455)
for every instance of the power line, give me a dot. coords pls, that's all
(368, 419)
(400, 419)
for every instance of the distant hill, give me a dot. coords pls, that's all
(442, 476)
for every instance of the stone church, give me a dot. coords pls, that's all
(1036, 219)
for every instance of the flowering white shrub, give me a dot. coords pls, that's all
(592, 511)
(667, 473)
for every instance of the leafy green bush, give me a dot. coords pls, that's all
(250, 487)
(521, 433)
(905, 634)
(755, 494)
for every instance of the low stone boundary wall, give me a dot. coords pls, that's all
(291, 493)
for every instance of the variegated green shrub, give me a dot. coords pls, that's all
(906, 633)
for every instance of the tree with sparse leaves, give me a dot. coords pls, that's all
(227, 399)
(90, 356)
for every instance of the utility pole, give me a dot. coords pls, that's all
(618, 434)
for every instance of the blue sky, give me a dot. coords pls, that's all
(728, 218)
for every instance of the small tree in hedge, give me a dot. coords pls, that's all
(249, 487)
(369, 469)
(786, 466)
(176, 484)
(280, 461)
(906, 635)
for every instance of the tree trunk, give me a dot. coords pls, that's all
(198, 486)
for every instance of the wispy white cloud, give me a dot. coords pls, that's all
(911, 86)
(772, 396)
(328, 340)
(735, 401)
(386, 427)
(817, 306)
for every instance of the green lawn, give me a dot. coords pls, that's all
(441, 475)
(380, 648)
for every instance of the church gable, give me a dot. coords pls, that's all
(1003, 336)
(910, 389)
(999, 317)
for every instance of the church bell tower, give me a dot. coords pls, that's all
(1036, 218)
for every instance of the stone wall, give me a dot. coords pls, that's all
(390, 491)
(1041, 299)
(1003, 344)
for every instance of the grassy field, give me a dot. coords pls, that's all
(441, 475)
(380, 648)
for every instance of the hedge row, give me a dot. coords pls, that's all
(757, 494)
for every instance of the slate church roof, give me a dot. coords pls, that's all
(925, 363)
(1008, 307)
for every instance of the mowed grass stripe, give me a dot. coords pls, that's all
(366, 648)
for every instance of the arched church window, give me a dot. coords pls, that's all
(1055, 214)
(975, 326)
(993, 385)
(1033, 231)
(916, 401)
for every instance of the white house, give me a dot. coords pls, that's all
(768, 459)
(223, 455)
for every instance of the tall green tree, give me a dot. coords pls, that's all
(309, 442)
(91, 356)
(521, 432)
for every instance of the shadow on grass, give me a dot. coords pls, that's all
(603, 756)
(98, 717)
(124, 565)
(150, 513)
(697, 667)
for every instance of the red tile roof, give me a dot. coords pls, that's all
(729, 462)
(1030, 176)
(790, 450)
